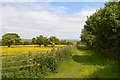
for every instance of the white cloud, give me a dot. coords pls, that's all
(29, 23)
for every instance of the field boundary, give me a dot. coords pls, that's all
(29, 59)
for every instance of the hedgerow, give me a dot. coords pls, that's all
(38, 65)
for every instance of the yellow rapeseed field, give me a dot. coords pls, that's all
(20, 49)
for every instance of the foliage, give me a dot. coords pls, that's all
(26, 42)
(10, 39)
(87, 38)
(53, 39)
(65, 42)
(39, 40)
(0, 42)
(34, 40)
(87, 64)
(43, 63)
(49, 62)
(46, 41)
(102, 29)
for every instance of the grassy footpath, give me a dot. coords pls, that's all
(86, 63)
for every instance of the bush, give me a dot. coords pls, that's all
(45, 63)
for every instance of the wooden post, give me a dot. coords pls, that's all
(30, 62)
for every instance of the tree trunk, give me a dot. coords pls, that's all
(45, 45)
(9, 45)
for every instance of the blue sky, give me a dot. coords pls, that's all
(62, 19)
(75, 7)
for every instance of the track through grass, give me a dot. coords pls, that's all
(86, 63)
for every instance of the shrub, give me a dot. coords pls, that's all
(45, 63)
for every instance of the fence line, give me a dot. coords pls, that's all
(29, 55)
(29, 59)
(14, 61)
(17, 67)
(4, 55)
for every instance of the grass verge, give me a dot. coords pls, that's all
(86, 63)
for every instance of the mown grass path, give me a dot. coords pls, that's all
(86, 63)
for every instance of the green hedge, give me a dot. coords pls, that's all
(45, 63)
(41, 63)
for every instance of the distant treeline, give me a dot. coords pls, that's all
(9, 39)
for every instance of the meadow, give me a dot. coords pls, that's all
(65, 62)
(20, 49)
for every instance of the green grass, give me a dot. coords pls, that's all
(86, 63)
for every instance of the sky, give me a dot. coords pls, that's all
(64, 20)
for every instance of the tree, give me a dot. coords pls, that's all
(46, 41)
(87, 38)
(40, 40)
(102, 29)
(26, 42)
(34, 41)
(66, 42)
(10, 39)
(63, 42)
(54, 40)
(70, 43)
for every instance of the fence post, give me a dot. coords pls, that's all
(30, 62)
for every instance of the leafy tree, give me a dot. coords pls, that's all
(34, 41)
(53, 39)
(40, 40)
(87, 38)
(70, 43)
(10, 39)
(63, 42)
(46, 41)
(26, 42)
(102, 29)
(66, 42)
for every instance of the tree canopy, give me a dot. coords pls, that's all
(102, 29)
(42, 40)
(54, 39)
(10, 39)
